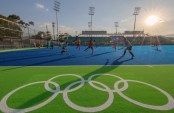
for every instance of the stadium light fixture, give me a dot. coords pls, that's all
(116, 26)
(56, 9)
(91, 13)
(136, 12)
(89, 25)
(53, 25)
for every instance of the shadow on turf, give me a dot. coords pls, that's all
(46, 95)
(39, 63)
(25, 58)
(117, 62)
(98, 54)
(36, 100)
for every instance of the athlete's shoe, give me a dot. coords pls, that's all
(132, 57)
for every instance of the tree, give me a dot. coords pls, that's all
(14, 18)
(1, 16)
(31, 23)
(21, 22)
(41, 35)
(48, 36)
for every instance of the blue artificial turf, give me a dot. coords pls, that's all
(103, 55)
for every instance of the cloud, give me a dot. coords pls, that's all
(67, 29)
(42, 26)
(40, 6)
(47, 9)
(124, 20)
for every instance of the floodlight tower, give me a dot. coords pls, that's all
(91, 12)
(53, 25)
(57, 8)
(116, 26)
(76, 33)
(89, 25)
(136, 12)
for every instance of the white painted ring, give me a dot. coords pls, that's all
(71, 90)
(4, 107)
(113, 90)
(168, 106)
(89, 109)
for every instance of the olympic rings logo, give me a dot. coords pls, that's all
(4, 107)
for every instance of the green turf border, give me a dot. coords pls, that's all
(20, 49)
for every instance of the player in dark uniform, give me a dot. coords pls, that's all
(64, 48)
(78, 44)
(128, 46)
(90, 45)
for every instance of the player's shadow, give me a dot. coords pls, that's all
(12, 68)
(31, 57)
(22, 54)
(54, 60)
(101, 70)
(35, 55)
(98, 54)
(118, 62)
(40, 63)
(158, 50)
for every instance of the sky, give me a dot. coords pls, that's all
(73, 15)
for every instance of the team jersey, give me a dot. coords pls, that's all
(115, 43)
(127, 43)
(90, 43)
(64, 46)
(78, 41)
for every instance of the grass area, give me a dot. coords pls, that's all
(19, 49)
(87, 96)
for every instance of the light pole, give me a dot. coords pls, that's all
(53, 25)
(76, 33)
(136, 12)
(116, 26)
(57, 8)
(91, 13)
(89, 25)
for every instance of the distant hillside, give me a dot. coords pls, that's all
(170, 35)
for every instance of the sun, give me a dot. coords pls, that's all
(151, 20)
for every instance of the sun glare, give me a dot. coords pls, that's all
(151, 20)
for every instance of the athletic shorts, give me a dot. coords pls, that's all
(90, 47)
(129, 48)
